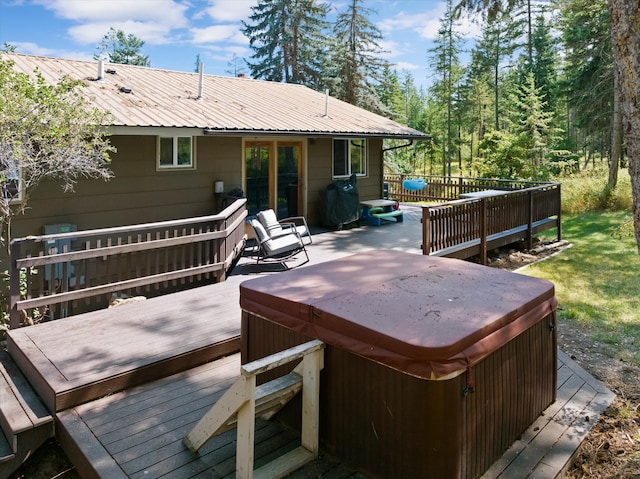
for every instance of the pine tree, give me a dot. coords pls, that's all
(119, 47)
(497, 44)
(286, 39)
(534, 125)
(446, 64)
(358, 60)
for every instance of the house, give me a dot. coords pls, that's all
(187, 141)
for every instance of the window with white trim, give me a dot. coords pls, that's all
(11, 185)
(175, 152)
(349, 157)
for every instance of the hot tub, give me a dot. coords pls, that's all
(433, 366)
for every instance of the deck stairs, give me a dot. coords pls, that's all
(245, 401)
(25, 423)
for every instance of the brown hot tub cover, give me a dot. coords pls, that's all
(425, 316)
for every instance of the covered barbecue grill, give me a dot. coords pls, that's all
(340, 203)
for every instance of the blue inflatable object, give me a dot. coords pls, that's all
(414, 185)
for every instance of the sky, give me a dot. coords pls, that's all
(175, 32)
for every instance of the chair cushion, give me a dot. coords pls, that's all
(269, 221)
(283, 244)
(261, 233)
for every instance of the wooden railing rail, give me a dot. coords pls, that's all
(53, 275)
(442, 188)
(468, 227)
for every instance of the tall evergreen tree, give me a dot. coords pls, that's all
(534, 125)
(358, 62)
(286, 39)
(588, 74)
(445, 62)
(119, 47)
(497, 44)
(625, 36)
(545, 62)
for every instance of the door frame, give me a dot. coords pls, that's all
(273, 144)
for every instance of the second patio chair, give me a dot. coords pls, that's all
(277, 227)
(280, 247)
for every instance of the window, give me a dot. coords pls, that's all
(175, 152)
(349, 157)
(11, 186)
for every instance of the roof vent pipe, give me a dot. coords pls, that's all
(326, 103)
(100, 70)
(201, 81)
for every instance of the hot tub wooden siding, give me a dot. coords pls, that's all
(389, 424)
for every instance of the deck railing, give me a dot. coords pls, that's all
(49, 279)
(442, 188)
(468, 227)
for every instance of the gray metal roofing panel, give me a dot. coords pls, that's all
(164, 98)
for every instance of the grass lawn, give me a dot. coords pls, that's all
(598, 281)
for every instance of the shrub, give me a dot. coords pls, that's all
(588, 191)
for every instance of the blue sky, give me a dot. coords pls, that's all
(175, 31)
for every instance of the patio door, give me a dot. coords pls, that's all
(273, 175)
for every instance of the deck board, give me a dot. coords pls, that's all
(141, 430)
(147, 373)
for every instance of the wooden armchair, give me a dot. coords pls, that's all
(281, 246)
(277, 227)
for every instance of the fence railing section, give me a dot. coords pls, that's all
(441, 188)
(467, 227)
(52, 276)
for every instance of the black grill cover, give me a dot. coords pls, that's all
(340, 203)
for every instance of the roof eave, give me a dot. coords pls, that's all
(316, 134)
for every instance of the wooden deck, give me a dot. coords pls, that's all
(138, 433)
(128, 383)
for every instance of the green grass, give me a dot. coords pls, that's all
(597, 281)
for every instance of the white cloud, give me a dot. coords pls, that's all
(230, 10)
(150, 20)
(150, 33)
(426, 24)
(214, 33)
(118, 10)
(30, 48)
(405, 66)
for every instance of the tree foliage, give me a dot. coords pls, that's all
(358, 62)
(47, 132)
(118, 47)
(587, 39)
(286, 39)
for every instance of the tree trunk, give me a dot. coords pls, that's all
(616, 134)
(625, 18)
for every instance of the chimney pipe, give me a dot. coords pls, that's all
(201, 81)
(100, 70)
(326, 103)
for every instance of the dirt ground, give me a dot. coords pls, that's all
(611, 450)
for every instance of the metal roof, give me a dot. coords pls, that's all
(149, 97)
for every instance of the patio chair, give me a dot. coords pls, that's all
(277, 227)
(280, 247)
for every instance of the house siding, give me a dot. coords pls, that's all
(139, 193)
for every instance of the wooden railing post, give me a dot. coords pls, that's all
(426, 230)
(14, 286)
(530, 220)
(559, 206)
(483, 230)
